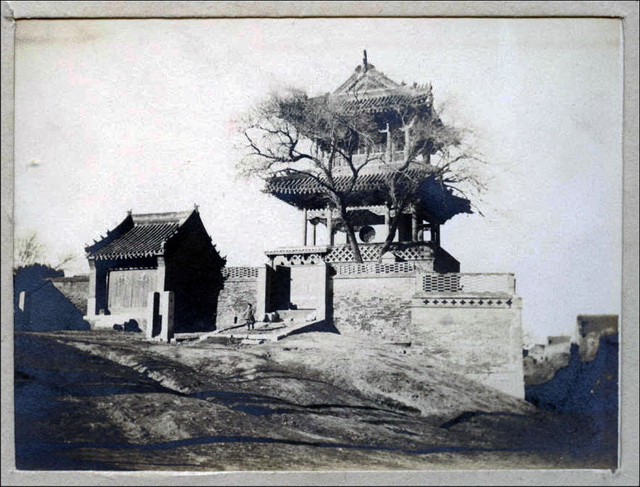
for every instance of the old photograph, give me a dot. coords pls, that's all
(317, 244)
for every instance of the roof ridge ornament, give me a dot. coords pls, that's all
(365, 64)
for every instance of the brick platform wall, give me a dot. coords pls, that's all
(378, 306)
(484, 342)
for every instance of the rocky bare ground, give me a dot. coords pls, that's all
(313, 401)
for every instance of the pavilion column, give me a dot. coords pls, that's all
(387, 219)
(389, 148)
(329, 224)
(435, 234)
(304, 229)
(313, 233)
(414, 225)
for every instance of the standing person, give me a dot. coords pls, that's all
(249, 319)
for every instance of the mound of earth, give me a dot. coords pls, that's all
(328, 401)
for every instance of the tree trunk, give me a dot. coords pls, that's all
(393, 229)
(351, 236)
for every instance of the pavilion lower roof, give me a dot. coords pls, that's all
(301, 184)
(436, 202)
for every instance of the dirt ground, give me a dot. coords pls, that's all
(319, 401)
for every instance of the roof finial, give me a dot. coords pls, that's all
(365, 65)
(196, 207)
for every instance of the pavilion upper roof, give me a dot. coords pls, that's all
(372, 91)
(139, 235)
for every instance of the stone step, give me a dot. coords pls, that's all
(264, 331)
(295, 314)
(290, 320)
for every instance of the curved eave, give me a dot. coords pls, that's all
(436, 203)
(319, 200)
(386, 103)
(126, 255)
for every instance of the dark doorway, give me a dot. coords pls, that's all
(282, 288)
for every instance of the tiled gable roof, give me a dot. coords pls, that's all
(141, 235)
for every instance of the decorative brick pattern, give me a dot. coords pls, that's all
(468, 283)
(240, 273)
(457, 301)
(348, 269)
(298, 259)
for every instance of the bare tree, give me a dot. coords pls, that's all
(292, 134)
(30, 250)
(440, 153)
(63, 260)
(325, 139)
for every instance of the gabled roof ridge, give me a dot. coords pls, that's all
(368, 73)
(178, 217)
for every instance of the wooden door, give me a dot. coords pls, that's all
(130, 288)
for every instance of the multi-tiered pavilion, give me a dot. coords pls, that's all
(417, 238)
(414, 292)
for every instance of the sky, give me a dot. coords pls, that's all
(142, 115)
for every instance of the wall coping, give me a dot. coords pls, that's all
(397, 275)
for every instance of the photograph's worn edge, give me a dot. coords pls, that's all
(628, 11)
(246, 9)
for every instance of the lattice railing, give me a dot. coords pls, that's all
(345, 254)
(414, 253)
(240, 272)
(350, 269)
(371, 253)
(467, 283)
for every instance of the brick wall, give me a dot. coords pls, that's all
(378, 306)
(479, 334)
(233, 300)
(483, 342)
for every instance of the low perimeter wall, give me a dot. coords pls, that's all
(75, 289)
